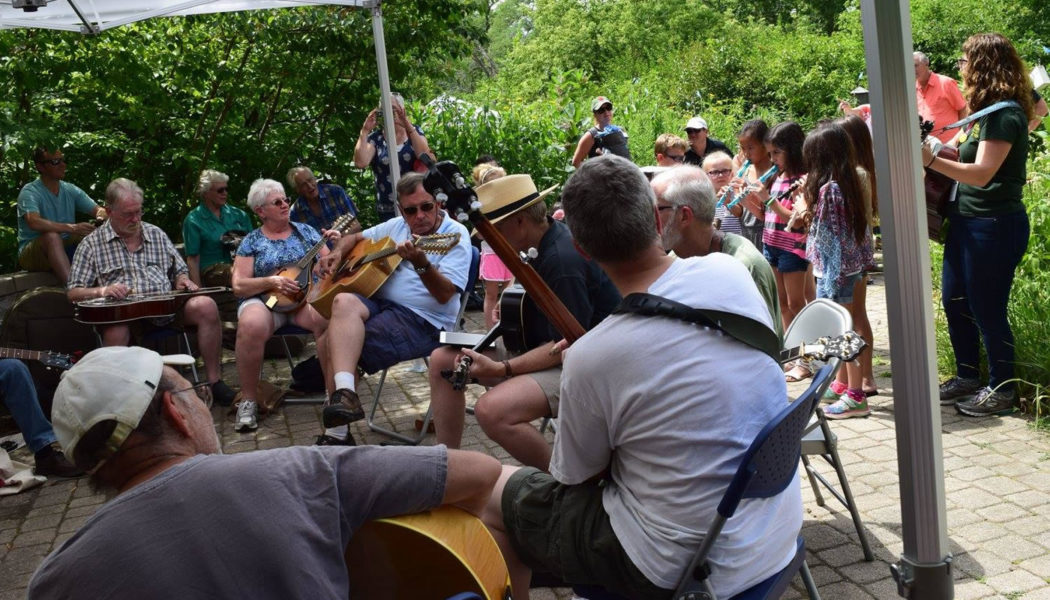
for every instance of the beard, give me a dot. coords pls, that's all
(670, 237)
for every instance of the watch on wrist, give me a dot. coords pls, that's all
(423, 269)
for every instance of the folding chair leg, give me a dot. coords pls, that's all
(807, 580)
(189, 350)
(811, 473)
(287, 352)
(409, 440)
(850, 503)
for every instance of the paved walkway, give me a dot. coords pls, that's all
(997, 480)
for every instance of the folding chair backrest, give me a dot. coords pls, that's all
(472, 280)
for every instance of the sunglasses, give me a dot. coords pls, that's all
(54, 162)
(410, 211)
(201, 390)
(719, 172)
(279, 201)
(604, 108)
(677, 158)
(221, 190)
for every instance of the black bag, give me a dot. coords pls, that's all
(307, 376)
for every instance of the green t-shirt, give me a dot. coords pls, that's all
(202, 232)
(743, 250)
(1003, 193)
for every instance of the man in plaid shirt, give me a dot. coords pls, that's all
(126, 256)
(318, 204)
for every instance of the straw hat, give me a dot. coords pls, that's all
(500, 198)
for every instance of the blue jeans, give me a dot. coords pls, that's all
(19, 395)
(980, 256)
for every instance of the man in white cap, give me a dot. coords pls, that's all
(700, 144)
(604, 137)
(523, 387)
(266, 524)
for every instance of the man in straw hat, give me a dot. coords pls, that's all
(403, 319)
(656, 414)
(524, 387)
(187, 518)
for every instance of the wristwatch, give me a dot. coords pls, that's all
(423, 269)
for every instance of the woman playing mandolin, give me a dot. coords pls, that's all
(989, 227)
(262, 254)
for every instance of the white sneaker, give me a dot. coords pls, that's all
(246, 416)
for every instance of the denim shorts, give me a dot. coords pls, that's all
(784, 261)
(842, 294)
(394, 334)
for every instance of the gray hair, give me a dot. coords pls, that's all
(688, 186)
(294, 172)
(208, 178)
(922, 57)
(121, 188)
(408, 183)
(261, 188)
(609, 209)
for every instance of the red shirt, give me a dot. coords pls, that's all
(940, 101)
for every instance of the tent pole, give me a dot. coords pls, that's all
(388, 115)
(924, 570)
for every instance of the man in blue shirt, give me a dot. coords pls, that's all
(47, 229)
(318, 204)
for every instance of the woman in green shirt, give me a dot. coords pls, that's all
(204, 226)
(988, 231)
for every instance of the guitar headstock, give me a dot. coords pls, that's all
(925, 128)
(845, 347)
(439, 243)
(53, 360)
(446, 183)
(344, 223)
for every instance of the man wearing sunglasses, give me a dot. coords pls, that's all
(700, 144)
(402, 320)
(47, 229)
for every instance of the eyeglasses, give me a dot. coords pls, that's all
(202, 390)
(410, 211)
(222, 190)
(962, 60)
(54, 162)
(663, 208)
(279, 201)
(677, 158)
(693, 131)
(719, 172)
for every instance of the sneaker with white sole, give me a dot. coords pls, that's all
(988, 402)
(847, 408)
(958, 389)
(247, 416)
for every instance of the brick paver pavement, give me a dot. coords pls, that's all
(997, 480)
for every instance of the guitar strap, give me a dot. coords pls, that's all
(744, 329)
(984, 111)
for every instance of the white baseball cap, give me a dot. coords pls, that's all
(697, 123)
(115, 383)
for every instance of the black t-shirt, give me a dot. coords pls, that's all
(578, 282)
(713, 145)
(611, 139)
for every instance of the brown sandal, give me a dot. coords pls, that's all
(797, 373)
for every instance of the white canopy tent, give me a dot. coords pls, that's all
(92, 17)
(924, 570)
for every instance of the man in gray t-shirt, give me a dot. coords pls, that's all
(189, 522)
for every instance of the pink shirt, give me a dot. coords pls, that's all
(940, 101)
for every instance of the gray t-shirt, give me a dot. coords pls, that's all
(268, 524)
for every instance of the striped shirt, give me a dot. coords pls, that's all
(103, 259)
(776, 233)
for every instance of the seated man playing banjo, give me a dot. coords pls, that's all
(125, 257)
(402, 320)
(525, 386)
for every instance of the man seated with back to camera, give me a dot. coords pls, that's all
(404, 317)
(655, 415)
(523, 387)
(189, 521)
(125, 256)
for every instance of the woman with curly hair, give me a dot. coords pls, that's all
(988, 230)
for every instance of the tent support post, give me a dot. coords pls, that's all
(924, 570)
(388, 114)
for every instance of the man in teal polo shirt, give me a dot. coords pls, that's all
(47, 229)
(204, 226)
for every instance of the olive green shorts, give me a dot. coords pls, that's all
(564, 530)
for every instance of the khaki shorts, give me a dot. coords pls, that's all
(549, 380)
(564, 530)
(34, 258)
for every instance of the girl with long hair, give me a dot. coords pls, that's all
(839, 240)
(988, 226)
(752, 164)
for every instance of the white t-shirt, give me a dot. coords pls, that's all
(671, 406)
(405, 286)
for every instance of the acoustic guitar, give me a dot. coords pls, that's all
(51, 360)
(300, 272)
(368, 266)
(105, 311)
(939, 188)
(435, 554)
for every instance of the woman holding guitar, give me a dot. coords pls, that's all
(278, 242)
(989, 228)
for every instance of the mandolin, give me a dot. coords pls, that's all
(368, 266)
(939, 188)
(299, 272)
(104, 311)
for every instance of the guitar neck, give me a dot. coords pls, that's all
(20, 353)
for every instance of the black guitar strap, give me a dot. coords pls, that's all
(744, 329)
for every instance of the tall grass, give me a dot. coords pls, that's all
(1028, 309)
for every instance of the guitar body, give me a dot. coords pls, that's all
(355, 277)
(938, 193)
(108, 311)
(435, 554)
(282, 303)
(512, 321)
